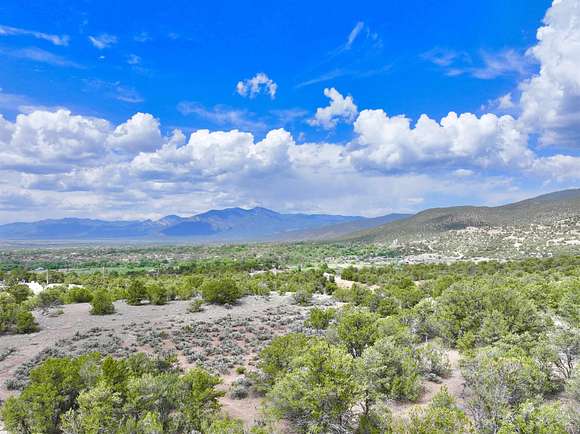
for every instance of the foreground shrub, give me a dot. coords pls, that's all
(50, 297)
(319, 391)
(498, 383)
(15, 317)
(357, 329)
(220, 291)
(20, 292)
(320, 318)
(442, 416)
(101, 303)
(277, 356)
(434, 360)
(93, 395)
(390, 370)
(532, 417)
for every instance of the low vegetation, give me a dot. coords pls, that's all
(493, 345)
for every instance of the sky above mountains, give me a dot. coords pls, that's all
(142, 109)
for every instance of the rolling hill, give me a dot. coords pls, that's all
(548, 210)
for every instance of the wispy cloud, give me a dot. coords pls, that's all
(222, 115)
(11, 101)
(502, 63)
(142, 37)
(115, 90)
(15, 31)
(354, 34)
(486, 66)
(103, 40)
(39, 55)
(358, 56)
(444, 57)
(289, 116)
(14, 102)
(344, 72)
(133, 59)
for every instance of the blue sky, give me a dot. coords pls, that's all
(191, 66)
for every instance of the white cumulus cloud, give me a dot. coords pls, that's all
(255, 85)
(550, 100)
(393, 144)
(340, 109)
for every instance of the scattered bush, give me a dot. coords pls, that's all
(136, 292)
(25, 322)
(433, 359)
(220, 291)
(391, 371)
(196, 306)
(15, 317)
(302, 297)
(357, 329)
(78, 294)
(157, 294)
(101, 303)
(20, 292)
(320, 318)
(51, 297)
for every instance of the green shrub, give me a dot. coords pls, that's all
(442, 416)
(391, 371)
(78, 294)
(434, 360)
(157, 293)
(276, 357)
(20, 292)
(220, 291)
(190, 286)
(498, 382)
(302, 297)
(320, 318)
(25, 322)
(136, 292)
(357, 328)
(196, 306)
(101, 303)
(51, 296)
(532, 417)
(90, 394)
(316, 395)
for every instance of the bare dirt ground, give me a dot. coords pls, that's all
(76, 320)
(217, 338)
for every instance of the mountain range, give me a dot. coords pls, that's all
(261, 224)
(226, 225)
